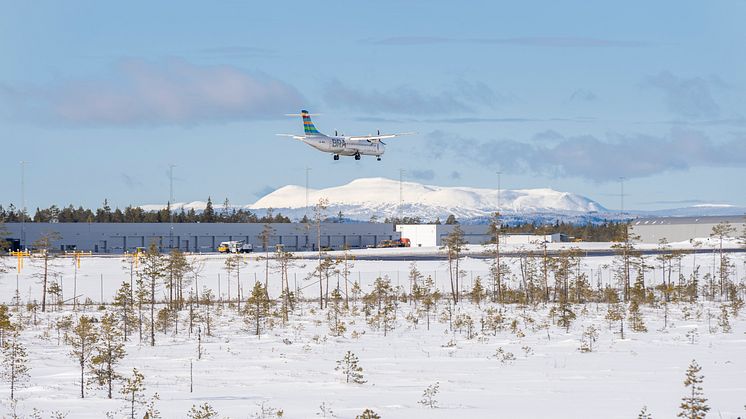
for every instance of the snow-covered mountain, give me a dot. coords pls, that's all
(363, 198)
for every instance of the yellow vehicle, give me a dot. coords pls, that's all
(235, 247)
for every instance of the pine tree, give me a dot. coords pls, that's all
(564, 313)
(176, 267)
(368, 414)
(477, 292)
(724, 319)
(15, 369)
(694, 405)
(152, 271)
(164, 319)
(590, 336)
(496, 270)
(5, 323)
(284, 261)
(233, 264)
(382, 298)
(337, 327)
(453, 245)
(132, 389)
(257, 311)
(617, 312)
(644, 414)
(205, 411)
(109, 351)
(123, 304)
(208, 215)
(352, 372)
(82, 339)
(428, 396)
(636, 322)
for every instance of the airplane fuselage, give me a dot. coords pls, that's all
(343, 146)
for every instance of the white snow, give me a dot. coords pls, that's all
(240, 371)
(377, 192)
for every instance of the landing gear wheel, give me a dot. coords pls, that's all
(336, 157)
(379, 158)
(357, 156)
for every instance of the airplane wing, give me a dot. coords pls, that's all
(295, 137)
(380, 136)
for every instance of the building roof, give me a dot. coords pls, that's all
(733, 219)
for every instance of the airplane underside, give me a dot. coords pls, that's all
(354, 153)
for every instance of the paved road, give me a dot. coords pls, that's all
(585, 253)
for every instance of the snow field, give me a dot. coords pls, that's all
(241, 371)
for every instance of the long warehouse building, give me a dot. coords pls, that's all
(679, 229)
(197, 237)
(206, 237)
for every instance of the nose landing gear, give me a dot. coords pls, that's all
(336, 157)
(357, 156)
(378, 158)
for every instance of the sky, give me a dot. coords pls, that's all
(101, 98)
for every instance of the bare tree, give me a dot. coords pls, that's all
(454, 244)
(44, 246)
(265, 236)
(720, 232)
(319, 212)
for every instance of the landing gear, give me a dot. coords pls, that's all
(336, 157)
(378, 158)
(357, 156)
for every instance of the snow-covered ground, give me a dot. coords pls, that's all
(292, 367)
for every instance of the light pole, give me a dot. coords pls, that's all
(621, 195)
(170, 203)
(23, 205)
(401, 192)
(498, 190)
(308, 169)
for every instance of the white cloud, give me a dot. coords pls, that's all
(139, 92)
(687, 97)
(594, 158)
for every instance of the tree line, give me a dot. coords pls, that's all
(134, 214)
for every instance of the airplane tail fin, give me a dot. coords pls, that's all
(308, 126)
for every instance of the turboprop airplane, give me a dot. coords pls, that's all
(342, 145)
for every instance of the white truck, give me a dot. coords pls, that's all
(235, 246)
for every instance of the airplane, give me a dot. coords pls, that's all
(342, 145)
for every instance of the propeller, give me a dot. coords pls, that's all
(379, 133)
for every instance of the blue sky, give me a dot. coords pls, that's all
(100, 97)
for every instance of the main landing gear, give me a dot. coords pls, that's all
(378, 158)
(357, 156)
(336, 157)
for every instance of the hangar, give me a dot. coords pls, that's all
(678, 229)
(426, 235)
(198, 237)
